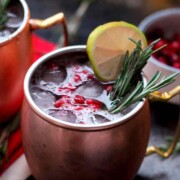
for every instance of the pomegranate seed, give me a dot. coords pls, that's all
(59, 103)
(77, 78)
(79, 108)
(69, 87)
(176, 65)
(162, 60)
(66, 89)
(170, 55)
(168, 52)
(175, 58)
(89, 101)
(98, 103)
(175, 45)
(66, 99)
(155, 55)
(95, 106)
(90, 76)
(93, 102)
(160, 43)
(79, 99)
(84, 71)
(108, 88)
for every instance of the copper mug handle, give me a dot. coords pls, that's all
(165, 96)
(49, 22)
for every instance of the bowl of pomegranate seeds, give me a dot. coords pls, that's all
(164, 24)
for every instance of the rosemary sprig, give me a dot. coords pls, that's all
(139, 92)
(3, 15)
(127, 90)
(132, 66)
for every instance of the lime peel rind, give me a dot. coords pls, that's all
(93, 37)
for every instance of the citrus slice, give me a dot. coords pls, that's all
(107, 45)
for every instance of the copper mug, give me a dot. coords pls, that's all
(59, 150)
(168, 21)
(16, 56)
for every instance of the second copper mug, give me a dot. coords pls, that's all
(16, 56)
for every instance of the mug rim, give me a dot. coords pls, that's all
(21, 27)
(61, 123)
(149, 20)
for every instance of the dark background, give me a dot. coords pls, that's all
(164, 116)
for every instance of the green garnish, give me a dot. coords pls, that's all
(127, 90)
(3, 16)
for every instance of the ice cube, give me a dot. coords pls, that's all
(91, 88)
(5, 33)
(64, 115)
(43, 99)
(15, 16)
(129, 108)
(14, 21)
(54, 75)
(100, 119)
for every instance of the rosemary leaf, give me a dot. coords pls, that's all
(127, 90)
(122, 104)
(153, 79)
(3, 16)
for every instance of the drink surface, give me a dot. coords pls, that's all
(15, 16)
(67, 89)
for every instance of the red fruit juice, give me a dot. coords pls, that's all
(67, 89)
